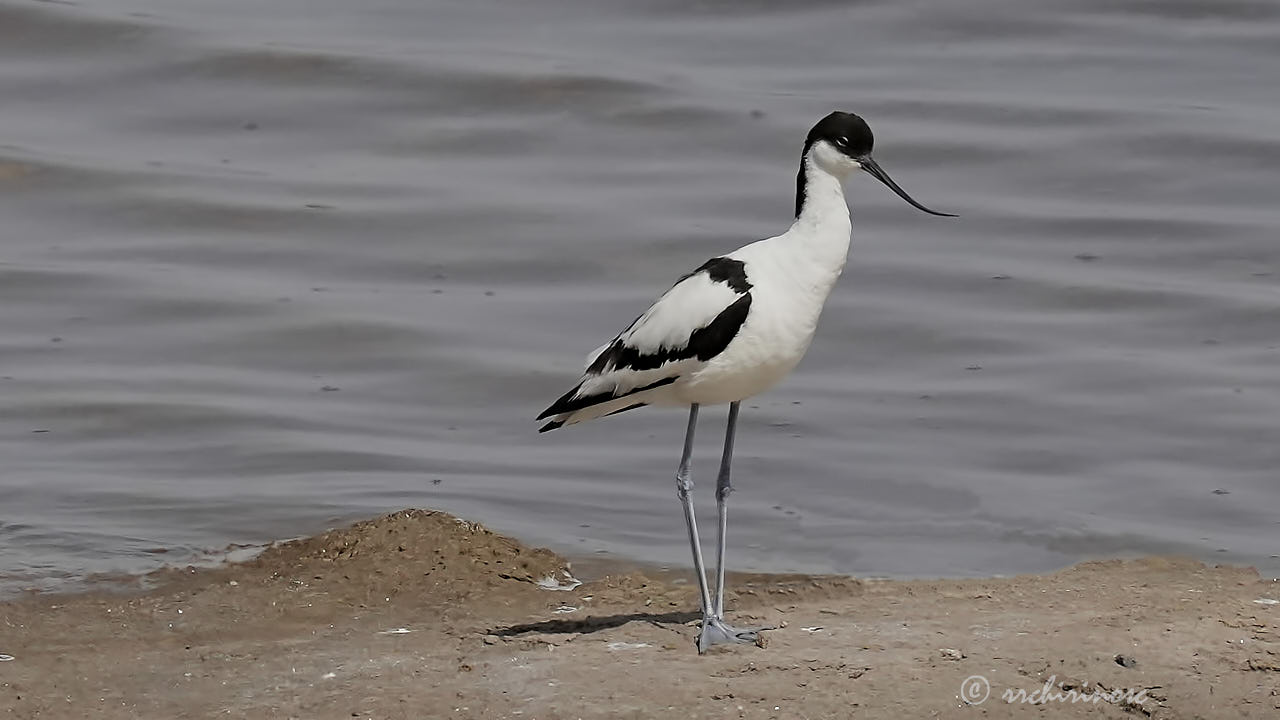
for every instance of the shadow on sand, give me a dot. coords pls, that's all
(594, 624)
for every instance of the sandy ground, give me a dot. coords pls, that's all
(421, 615)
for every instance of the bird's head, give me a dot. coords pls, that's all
(841, 143)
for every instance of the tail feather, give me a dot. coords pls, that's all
(571, 402)
(618, 405)
(568, 402)
(601, 406)
(629, 407)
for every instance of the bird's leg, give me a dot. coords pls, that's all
(715, 630)
(683, 486)
(723, 488)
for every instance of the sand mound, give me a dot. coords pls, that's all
(422, 558)
(431, 554)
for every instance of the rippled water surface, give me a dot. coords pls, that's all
(268, 265)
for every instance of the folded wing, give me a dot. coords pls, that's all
(691, 323)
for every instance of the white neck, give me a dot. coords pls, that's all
(823, 213)
(812, 254)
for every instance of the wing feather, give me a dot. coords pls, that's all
(690, 324)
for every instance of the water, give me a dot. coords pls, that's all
(270, 266)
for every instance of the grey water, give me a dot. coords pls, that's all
(267, 266)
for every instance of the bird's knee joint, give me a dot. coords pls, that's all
(723, 487)
(683, 486)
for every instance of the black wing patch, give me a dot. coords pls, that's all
(704, 344)
(724, 270)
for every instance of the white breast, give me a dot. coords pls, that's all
(791, 276)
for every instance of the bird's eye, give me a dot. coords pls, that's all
(842, 142)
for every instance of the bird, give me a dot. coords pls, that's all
(731, 329)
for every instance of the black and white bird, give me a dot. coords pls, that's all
(732, 329)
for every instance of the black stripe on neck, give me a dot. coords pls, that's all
(801, 181)
(802, 177)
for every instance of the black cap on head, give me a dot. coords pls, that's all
(847, 132)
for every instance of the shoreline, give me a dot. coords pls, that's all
(420, 614)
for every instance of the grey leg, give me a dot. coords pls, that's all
(683, 486)
(715, 630)
(723, 488)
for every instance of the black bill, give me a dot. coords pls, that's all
(873, 168)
